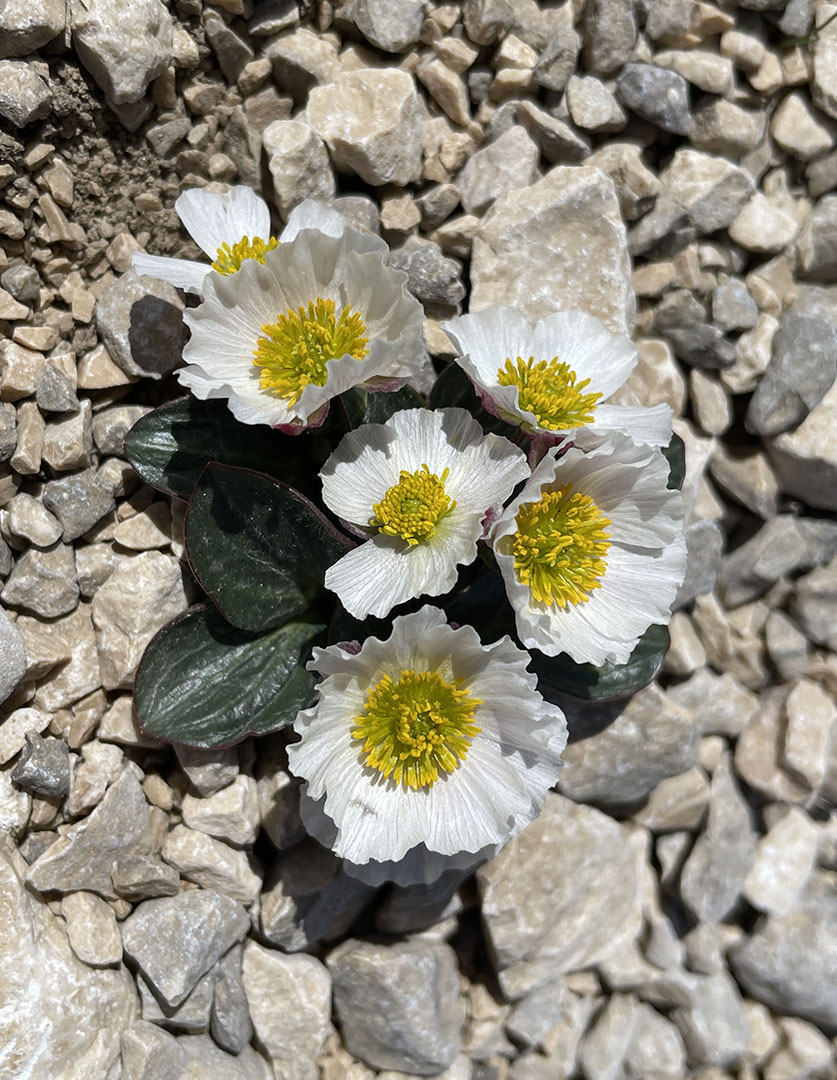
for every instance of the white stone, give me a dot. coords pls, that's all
(290, 1005)
(123, 46)
(557, 244)
(763, 227)
(809, 729)
(783, 863)
(212, 864)
(805, 459)
(505, 165)
(299, 164)
(824, 50)
(26, 25)
(231, 814)
(796, 128)
(12, 657)
(371, 121)
(141, 595)
(701, 67)
(30, 520)
(92, 929)
(16, 726)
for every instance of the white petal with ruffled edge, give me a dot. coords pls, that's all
(215, 218)
(226, 328)
(645, 562)
(182, 273)
(483, 470)
(486, 339)
(310, 214)
(388, 831)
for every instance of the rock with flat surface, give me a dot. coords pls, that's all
(506, 164)
(231, 814)
(230, 1023)
(26, 25)
(212, 864)
(12, 656)
(560, 897)
(92, 929)
(714, 1023)
(84, 857)
(290, 1004)
(715, 872)
(177, 939)
(140, 323)
(790, 962)
(391, 25)
(657, 95)
(43, 581)
(783, 863)
(371, 122)
(43, 767)
(138, 598)
(123, 46)
(558, 244)
(398, 1005)
(24, 95)
(805, 459)
(299, 164)
(619, 754)
(47, 989)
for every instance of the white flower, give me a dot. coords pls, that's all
(429, 750)
(554, 378)
(419, 486)
(592, 551)
(234, 225)
(320, 315)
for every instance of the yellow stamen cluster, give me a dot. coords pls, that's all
(414, 506)
(296, 349)
(560, 547)
(550, 391)
(417, 727)
(229, 259)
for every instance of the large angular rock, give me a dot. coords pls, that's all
(508, 163)
(805, 459)
(140, 323)
(399, 1005)
(560, 897)
(177, 939)
(713, 1023)
(790, 962)
(371, 121)
(24, 96)
(391, 25)
(150, 1053)
(43, 581)
(290, 1003)
(555, 245)
(717, 868)
(298, 162)
(12, 656)
(138, 598)
(26, 25)
(783, 863)
(123, 46)
(619, 753)
(61, 1018)
(85, 856)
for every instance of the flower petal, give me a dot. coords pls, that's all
(183, 273)
(650, 426)
(589, 348)
(216, 218)
(488, 337)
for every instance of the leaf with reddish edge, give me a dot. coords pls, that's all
(258, 548)
(204, 683)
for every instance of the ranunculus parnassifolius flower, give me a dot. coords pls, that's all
(280, 338)
(233, 226)
(419, 486)
(554, 378)
(424, 752)
(592, 551)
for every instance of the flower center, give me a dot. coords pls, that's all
(414, 506)
(229, 259)
(560, 546)
(296, 349)
(417, 727)
(549, 390)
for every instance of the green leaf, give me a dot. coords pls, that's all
(203, 683)
(257, 547)
(356, 407)
(606, 682)
(453, 389)
(170, 446)
(675, 453)
(382, 405)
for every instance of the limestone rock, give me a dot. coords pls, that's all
(717, 868)
(26, 25)
(783, 863)
(560, 897)
(824, 51)
(84, 857)
(43, 768)
(140, 323)
(557, 244)
(714, 1022)
(620, 752)
(12, 656)
(805, 459)
(177, 939)
(371, 122)
(398, 1005)
(212, 864)
(657, 95)
(391, 26)
(290, 1003)
(43, 581)
(92, 929)
(46, 988)
(24, 96)
(230, 1022)
(299, 164)
(78, 501)
(138, 598)
(231, 814)
(790, 962)
(124, 47)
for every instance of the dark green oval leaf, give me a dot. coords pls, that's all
(453, 389)
(356, 407)
(675, 454)
(203, 683)
(610, 680)
(257, 547)
(381, 405)
(170, 446)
